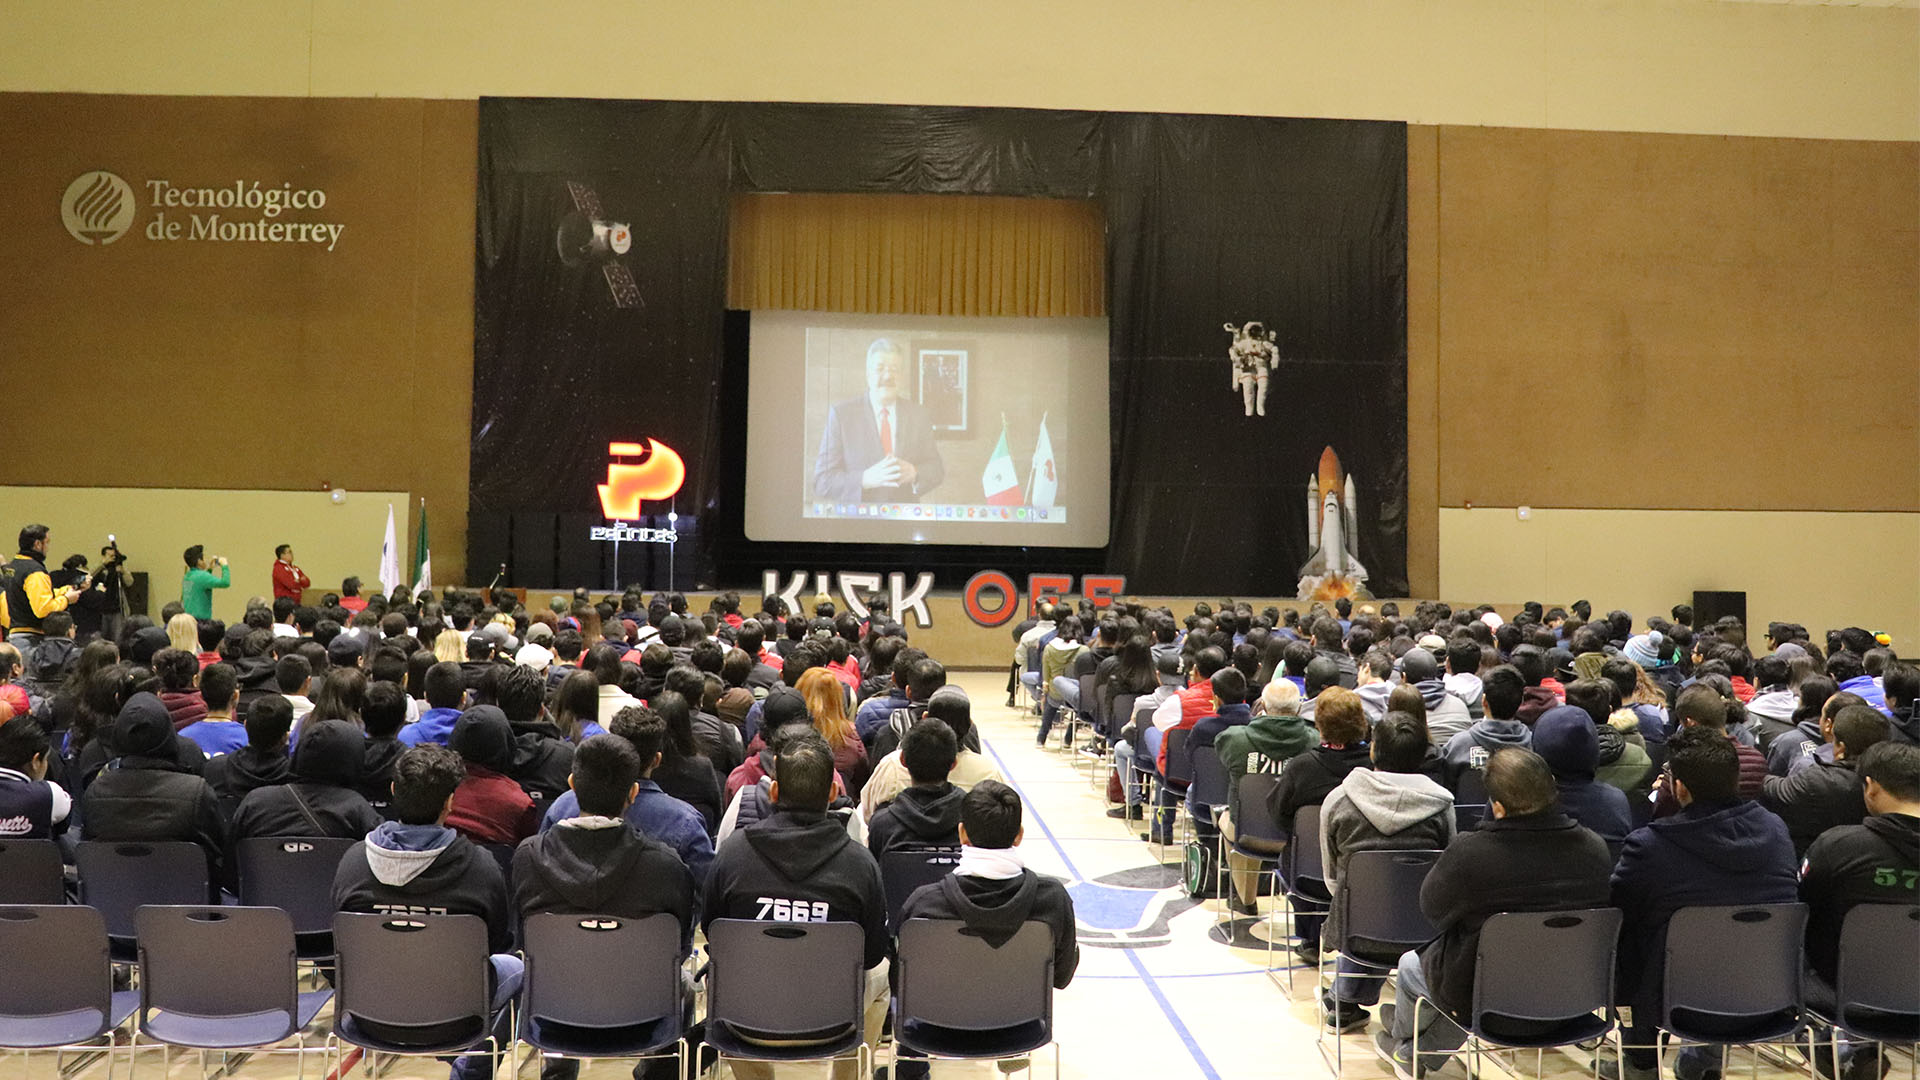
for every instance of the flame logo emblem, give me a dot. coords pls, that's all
(658, 477)
(97, 208)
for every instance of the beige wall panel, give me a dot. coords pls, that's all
(331, 541)
(1699, 66)
(1819, 569)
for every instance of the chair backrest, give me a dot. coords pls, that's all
(803, 981)
(1303, 847)
(1089, 698)
(1210, 780)
(1470, 787)
(1122, 712)
(1467, 816)
(1380, 899)
(1252, 793)
(1002, 988)
(599, 971)
(1733, 961)
(1510, 982)
(116, 878)
(1179, 758)
(30, 873)
(418, 971)
(294, 874)
(1880, 960)
(901, 872)
(56, 962)
(207, 961)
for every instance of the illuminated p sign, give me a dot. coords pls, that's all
(628, 485)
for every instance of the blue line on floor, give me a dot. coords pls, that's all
(1173, 1016)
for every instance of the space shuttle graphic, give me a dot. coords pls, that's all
(1333, 566)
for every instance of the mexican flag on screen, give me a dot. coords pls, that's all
(1002, 486)
(1043, 481)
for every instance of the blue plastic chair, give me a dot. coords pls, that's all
(117, 878)
(412, 984)
(294, 874)
(901, 872)
(598, 986)
(30, 873)
(1378, 906)
(222, 978)
(787, 992)
(1733, 974)
(1002, 1009)
(1877, 986)
(56, 986)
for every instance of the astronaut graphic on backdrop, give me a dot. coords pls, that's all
(1252, 354)
(1332, 569)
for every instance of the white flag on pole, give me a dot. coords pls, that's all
(389, 558)
(1043, 482)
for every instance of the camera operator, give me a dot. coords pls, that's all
(31, 595)
(102, 604)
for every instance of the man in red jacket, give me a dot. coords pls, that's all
(288, 580)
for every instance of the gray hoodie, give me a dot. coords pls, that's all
(1467, 687)
(1373, 811)
(1373, 698)
(1471, 748)
(1447, 715)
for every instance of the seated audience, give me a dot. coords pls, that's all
(179, 671)
(293, 674)
(321, 799)
(31, 808)
(950, 705)
(1874, 862)
(592, 862)
(926, 814)
(652, 812)
(1826, 796)
(489, 807)
(1718, 848)
(145, 793)
(217, 732)
(684, 772)
(827, 706)
(1505, 691)
(416, 864)
(802, 859)
(1567, 740)
(385, 714)
(1624, 762)
(542, 757)
(1704, 707)
(1307, 780)
(1447, 713)
(1388, 807)
(1526, 857)
(993, 892)
(262, 761)
(446, 689)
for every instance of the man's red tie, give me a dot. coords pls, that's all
(886, 435)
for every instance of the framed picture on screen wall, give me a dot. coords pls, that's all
(943, 388)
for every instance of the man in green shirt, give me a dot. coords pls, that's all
(196, 589)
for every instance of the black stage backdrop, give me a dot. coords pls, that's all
(1300, 224)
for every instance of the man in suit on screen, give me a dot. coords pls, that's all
(878, 447)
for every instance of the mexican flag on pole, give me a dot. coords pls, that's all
(422, 556)
(1002, 486)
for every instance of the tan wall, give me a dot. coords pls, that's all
(1818, 569)
(1822, 71)
(246, 365)
(154, 525)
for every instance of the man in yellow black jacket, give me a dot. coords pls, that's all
(30, 595)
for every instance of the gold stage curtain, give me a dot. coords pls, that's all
(917, 255)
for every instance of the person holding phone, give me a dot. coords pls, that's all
(196, 587)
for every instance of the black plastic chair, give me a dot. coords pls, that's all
(30, 873)
(1877, 986)
(787, 991)
(412, 984)
(1002, 1009)
(1468, 816)
(221, 978)
(1300, 863)
(1733, 974)
(1255, 836)
(116, 878)
(1122, 712)
(294, 874)
(1378, 907)
(56, 986)
(901, 872)
(597, 986)
(1519, 1001)
(1470, 788)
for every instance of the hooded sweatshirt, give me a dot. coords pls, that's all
(1447, 715)
(434, 726)
(146, 794)
(1379, 811)
(1811, 801)
(601, 866)
(404, 869)
(1708, 853)
(321, 800)
(1262, 745)
(542, 759)
(1373, 698)
(489, 807)
(995, 908)
(1848, 866)
(1569, 743)
(1471, 748)
(1534, 702)
(1467, 686)
(798, 866)
(922, 816)
(234, 775)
